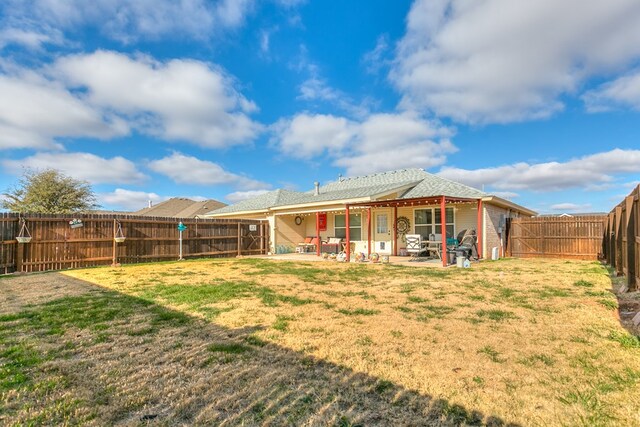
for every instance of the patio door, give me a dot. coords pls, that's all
(382, 232)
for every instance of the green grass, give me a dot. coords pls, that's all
(608, 303)
(535, 359)
(583, 284)
(492, 353)
(200, 297)
(625, 339)
(358, 312)
(229, 348)
(496, 315)
(282, 323)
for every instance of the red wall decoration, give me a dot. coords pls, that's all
(323, 221)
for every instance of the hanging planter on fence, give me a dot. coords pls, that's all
(24, 236)
(119, 236)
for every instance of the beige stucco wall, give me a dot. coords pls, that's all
(287, 232)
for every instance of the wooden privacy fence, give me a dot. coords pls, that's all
(72, 241)
(578, 237)
(621, 242)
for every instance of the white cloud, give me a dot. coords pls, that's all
(381, 142)
(583, 172)
(126, 20)
(129, 200)
(31, 39)
(265, 37)
(191, 170)
(181, 100)
(85, 166)
(504, 60)
(35, 111)
(375, 59)
(239, 196)
(623, 92)
(570, 207)
(305, 136)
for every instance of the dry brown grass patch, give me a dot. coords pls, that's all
(278, 342)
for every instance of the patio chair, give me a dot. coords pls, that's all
(333, 245)
(434, 245)
(468, 244)
(309, 245)
(414, 245)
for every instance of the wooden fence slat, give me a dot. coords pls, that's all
(55, 245)
(578, 237)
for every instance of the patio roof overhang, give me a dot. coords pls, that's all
(417, 201)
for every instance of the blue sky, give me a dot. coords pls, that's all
(534, 101)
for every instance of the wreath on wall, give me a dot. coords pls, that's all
(403, 226)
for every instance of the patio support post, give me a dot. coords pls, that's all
(479, 230)
(443, 230)
(394, 234)
(318, 233)
(348, 246)
(368, 233)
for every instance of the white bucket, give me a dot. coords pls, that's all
(494, 253)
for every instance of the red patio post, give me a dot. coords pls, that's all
(479, 230)
(318, 233)
(443, 230)
(368, 232)
(394, 240)
(348, 246)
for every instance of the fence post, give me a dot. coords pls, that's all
(239, 241)
(19, 256)
(631, 241)
(261, 238)
(619, 262)
(114, 248)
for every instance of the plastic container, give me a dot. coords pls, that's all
(494, 253)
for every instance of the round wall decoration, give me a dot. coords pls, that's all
(402, 225)
(298, 220)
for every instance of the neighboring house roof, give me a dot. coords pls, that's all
(179, 207)
(406, 183)
(565, 214)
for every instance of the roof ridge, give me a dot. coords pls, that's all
(379, 174)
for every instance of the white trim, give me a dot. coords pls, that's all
(433, 208)
(350, 226)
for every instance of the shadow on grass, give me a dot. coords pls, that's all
(105, 357)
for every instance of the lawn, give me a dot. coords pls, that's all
(261, 342)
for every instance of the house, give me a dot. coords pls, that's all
(180, 207)
(370, 210)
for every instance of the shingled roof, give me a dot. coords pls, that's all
(411, 183)
(180, 207)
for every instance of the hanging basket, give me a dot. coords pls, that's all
(119, 235)
(24, 236)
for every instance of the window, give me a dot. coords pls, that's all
(448, 217)
(423, 220)
(427, 221)
(355, 227)
(382, 225)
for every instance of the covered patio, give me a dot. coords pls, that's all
(394, 204)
